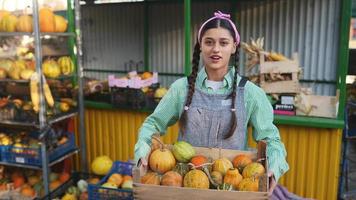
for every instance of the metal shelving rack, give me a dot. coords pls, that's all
(44, 124)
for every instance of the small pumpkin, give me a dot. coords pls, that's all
(28, 192)
(233, 177)
(64, 177)
(183, 151)
(181, 168)
(60, 24)
(47, 20)
(222, 165)
(24, 24)
(161, 160)
(66, 65)
(199, 160)
(51, 69)
(151, 178)
(249, 184)
(116, 179)
(240, 162)
(8, 23)
(172, 178)
(196, 179)
(54, 184)
(225, 186)
(253, 169)
(18, 181)
(126, 178)
(217, 177)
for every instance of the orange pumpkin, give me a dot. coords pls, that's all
(196, 179)
(162, 160)
(146, 75)
(116, 179)
(249, 184)
(60, 24)
(64, 177)
(253, 169)
(240, 162)
(28, 192)
(18, 181)
(151, 178)
(233, 177)
(24, 24)
(8, 23)
(94, 181)
(172, 178)
(222, 165)
(47, 20)
(54, 184)
(126, 177)
(199, 160)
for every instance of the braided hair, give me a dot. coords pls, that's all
(215, 23)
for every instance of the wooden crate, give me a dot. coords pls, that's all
(321, 106)
(283, 67)
(155, 192)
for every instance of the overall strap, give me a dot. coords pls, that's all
(243, 81)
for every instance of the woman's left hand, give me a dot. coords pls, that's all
(272, 182)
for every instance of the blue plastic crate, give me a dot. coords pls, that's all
(96, 192)
(32, 156)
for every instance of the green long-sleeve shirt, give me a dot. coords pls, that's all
(259, 114)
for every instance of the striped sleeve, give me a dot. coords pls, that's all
(264, 129)
(166, 114)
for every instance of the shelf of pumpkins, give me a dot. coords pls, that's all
(19, 104)
(183, 171)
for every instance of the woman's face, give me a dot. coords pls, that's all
(217, 46)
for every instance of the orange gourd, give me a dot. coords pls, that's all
(233, 177)
(172, 178)
(54, 184)
(116, 179)
(18, 181)
(47, 20)
(64, 177)
(28, 192)
(240, 162)
(151, 178)
(199, 160)
(161, 160)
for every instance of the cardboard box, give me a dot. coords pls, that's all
(155, 192)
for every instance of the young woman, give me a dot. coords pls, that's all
(214, 104)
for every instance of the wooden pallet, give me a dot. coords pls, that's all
(283, 67)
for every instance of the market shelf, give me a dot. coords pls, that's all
(42, 34)
(13, 80)
(67, 155)
(36, 125)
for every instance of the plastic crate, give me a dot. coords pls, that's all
(96, 192)
(32, 156)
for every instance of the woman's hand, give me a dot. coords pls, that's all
(272, 182)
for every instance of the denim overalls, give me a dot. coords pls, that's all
(208, 120)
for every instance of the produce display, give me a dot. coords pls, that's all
(49, 22)
(16, 183)
(24, 147)
(180, 166)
